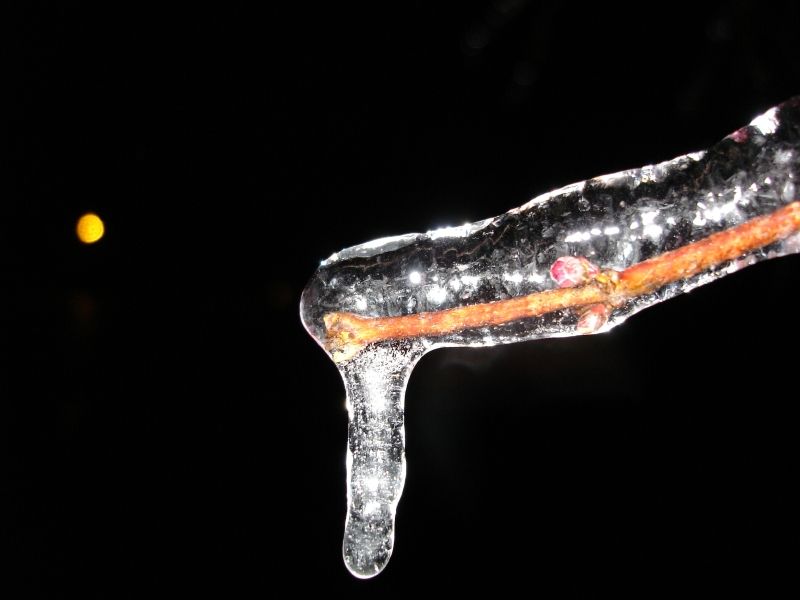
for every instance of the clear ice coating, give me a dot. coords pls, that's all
(378, 307)
(376, 384)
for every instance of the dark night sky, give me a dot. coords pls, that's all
(169, 426)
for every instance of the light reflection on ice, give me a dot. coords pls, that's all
(459, 231)
(513, 277)
(652, 231)
(766, 123)
(536, 278)
(437, 294)
(788, 192)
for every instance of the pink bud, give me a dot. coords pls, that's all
(593, 318)
(569, 271)
(740, 135)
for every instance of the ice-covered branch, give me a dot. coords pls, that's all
(580, 259)
(602, 291)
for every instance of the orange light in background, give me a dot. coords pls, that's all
(90, 228)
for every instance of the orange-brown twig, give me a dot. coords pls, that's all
(348, 333)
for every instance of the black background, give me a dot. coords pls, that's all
(170, 427)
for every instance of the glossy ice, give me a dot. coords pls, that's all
(613, 222)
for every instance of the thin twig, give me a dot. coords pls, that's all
(348, 333)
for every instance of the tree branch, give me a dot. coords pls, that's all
(347, 333)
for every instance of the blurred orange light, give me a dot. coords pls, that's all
(90, 228)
